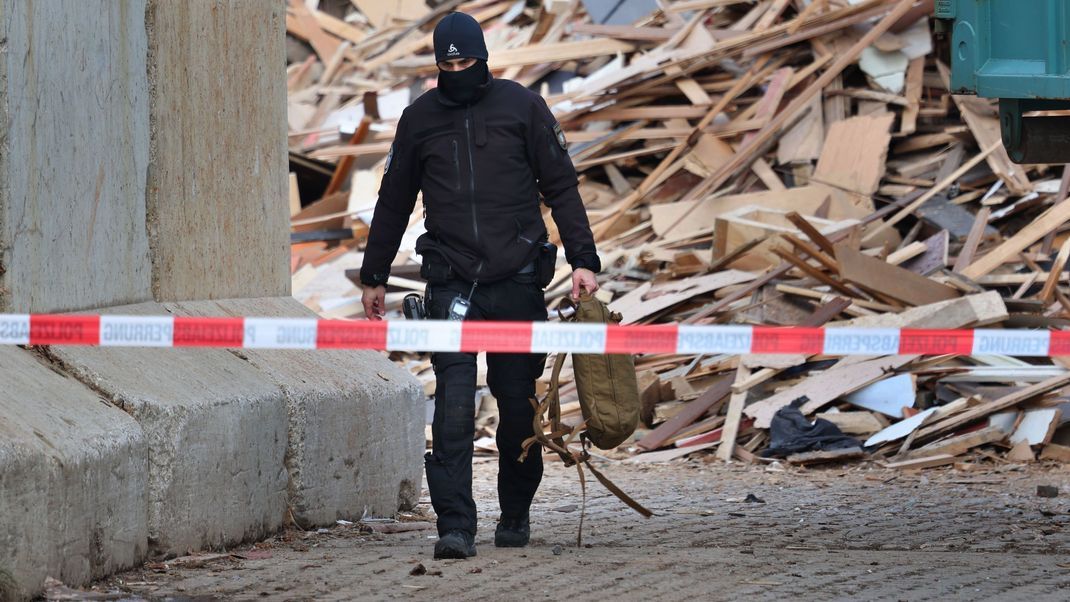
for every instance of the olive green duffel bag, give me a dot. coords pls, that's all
(608, 391)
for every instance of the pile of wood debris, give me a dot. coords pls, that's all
(778, 162)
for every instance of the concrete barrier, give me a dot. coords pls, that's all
(356, 420)
(73, 479)
(143, 157)
(216, 432)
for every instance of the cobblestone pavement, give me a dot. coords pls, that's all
(821, 534)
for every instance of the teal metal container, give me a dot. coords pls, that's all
(1017, 51)
(1009, 48)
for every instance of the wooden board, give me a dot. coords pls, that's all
(667, 454)
(770, 100)
(691, 412)
(651, 298)
(1009, 249)
(935, 256)
(379, 12)
(854, 423)
(803, 141)
(735, 414)
(825, 457)
(984, 125)
(919, 463)
(700, 214)
(323, 44)
(1056, 452)
(1021, 452)
(914, 88)
(890, 280)
(956, 446)
(945, 215)
(855, 153)
(747, 224)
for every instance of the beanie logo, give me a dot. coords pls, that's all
(452, 51)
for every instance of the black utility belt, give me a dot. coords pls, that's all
(435, 270)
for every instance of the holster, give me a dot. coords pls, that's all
(546, 263)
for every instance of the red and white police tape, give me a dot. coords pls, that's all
(515, 337)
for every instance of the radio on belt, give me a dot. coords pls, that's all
(459, 306)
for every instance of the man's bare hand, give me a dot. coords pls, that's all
(374, 300)
(583, 279)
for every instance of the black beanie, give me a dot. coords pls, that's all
(459, 36)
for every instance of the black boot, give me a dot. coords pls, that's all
(455, 544)
(512, 532)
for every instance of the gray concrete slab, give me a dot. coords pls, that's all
(216, 431)
(74, 102)
(356, 436)
(73, 479)
(218, 218)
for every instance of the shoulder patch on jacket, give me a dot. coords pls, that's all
(560, 135)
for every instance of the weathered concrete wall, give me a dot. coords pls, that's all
(143, 156)
(217, 196)
(356, 420)
(73, 478)
(74, 97)
(216, 432)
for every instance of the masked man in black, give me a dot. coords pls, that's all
(483, 151)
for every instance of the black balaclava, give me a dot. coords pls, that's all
(458, 36)
(464, 87)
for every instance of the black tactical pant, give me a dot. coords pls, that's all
(511, 377)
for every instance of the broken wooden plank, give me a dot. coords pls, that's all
(735, 414)
(691, 412)
(956, 446)
(890, 280)
(973, 240)
(1056, 452)
(854, 423)
(986, 130)
(667, 454)
(920, 463)
(825, 457)
(1009, 249)
(854, 154)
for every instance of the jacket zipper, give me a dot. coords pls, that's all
(472, 181)
(456, 166)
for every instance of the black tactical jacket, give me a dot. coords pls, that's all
(482, 168)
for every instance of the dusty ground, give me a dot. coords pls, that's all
(822, 534)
